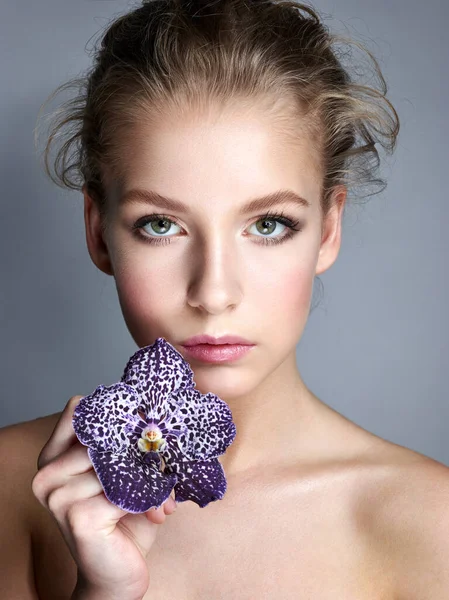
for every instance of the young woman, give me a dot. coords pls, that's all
(215, 145)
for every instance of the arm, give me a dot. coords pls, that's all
(16, 560)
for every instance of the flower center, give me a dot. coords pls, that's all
(153, 435)
(151, 439)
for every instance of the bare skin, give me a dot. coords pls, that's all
(318, 528)
(316, 507)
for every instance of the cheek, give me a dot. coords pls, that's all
(283, 285)
(289, 292)
(146, 295)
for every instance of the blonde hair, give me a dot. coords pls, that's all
(180, 55)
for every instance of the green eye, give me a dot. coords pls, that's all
(268, 221)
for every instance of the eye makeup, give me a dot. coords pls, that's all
(293, 227)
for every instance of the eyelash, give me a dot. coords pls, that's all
(270, 216)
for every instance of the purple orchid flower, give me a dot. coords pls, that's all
(153, 431)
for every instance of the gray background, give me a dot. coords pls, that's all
(375, 348)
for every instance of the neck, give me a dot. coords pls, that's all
(272, 422)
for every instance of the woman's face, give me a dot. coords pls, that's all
(211, 268)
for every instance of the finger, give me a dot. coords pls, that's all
(78, 488)
(60, 470)
(73, 461)
(169, 506)
(63, 435)
(94, 514)
(156, 515)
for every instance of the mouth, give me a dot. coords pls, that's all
(218, 353)
(204, 339)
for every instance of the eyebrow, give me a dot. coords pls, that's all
(138, 196)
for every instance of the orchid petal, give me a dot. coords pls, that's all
(101, 419)
(131, 484)
(210, 429)
(155, 371)
(199, 481)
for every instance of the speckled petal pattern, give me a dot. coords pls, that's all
(157, 370)
(170, 415)
(153, 432)
(210, 429)
(133, 485)
(102, 419)
(199, 481)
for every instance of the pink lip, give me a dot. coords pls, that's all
(213, 341)
(217, 353)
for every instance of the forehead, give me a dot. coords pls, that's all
(230, 158)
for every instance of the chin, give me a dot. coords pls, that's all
(228, 385)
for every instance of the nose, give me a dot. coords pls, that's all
(215, 282)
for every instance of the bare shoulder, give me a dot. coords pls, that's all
(20, 445)
(405, 509)
(37, 428)
(52, 570)
(25, 440)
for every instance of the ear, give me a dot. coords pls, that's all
(331, 235)
(96, 245)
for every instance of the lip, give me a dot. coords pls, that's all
(216, 341)
(210, 353)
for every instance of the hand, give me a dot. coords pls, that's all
(109, 545)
